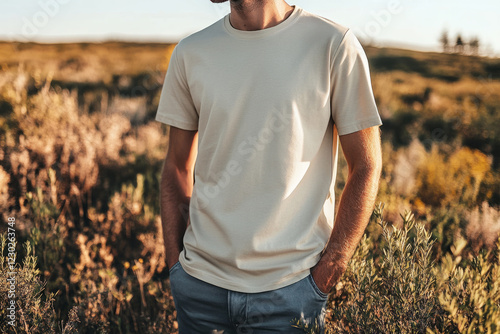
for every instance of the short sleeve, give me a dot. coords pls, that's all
(353, 105)
(176, 106)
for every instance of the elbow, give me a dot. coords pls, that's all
(369, 169)
(175, 171)
(371, 162)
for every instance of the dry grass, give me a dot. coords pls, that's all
(80, 161)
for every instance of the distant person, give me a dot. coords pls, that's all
(259, 100)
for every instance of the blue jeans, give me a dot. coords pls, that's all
(205, 308)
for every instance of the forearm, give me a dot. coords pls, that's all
(175, 193)
(355, 208)
(354, 211)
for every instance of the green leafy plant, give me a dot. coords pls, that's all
(470, 293)
(395, 293)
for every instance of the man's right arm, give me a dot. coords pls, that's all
(176, 188)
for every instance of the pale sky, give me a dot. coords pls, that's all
(405, 23)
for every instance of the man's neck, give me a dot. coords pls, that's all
(258, 14)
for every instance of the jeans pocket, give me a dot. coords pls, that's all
(316, 289)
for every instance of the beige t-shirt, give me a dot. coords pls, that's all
(269, 106)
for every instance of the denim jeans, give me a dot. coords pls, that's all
(205, 308)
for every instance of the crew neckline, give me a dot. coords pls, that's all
(262, 32)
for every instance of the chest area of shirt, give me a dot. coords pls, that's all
(245, 79)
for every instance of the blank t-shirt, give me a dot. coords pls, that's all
(269, 106)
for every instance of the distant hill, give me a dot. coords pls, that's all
(445, 66)
(69, 61)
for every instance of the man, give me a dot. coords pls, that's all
(260, 100)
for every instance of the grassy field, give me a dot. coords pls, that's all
(80, 162)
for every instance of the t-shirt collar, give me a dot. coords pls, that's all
(262, 32)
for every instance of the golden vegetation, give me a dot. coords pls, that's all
(80, 162)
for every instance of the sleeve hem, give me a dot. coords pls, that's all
(353, 127)
(177, 123)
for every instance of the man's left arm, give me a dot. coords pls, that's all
(362, 151)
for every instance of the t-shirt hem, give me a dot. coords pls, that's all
(350, 128)
(229, 285)
(175, 122)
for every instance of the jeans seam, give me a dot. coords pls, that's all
(246, 307)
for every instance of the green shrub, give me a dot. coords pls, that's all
(470, 293)
(394, 293)
(404, 291)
